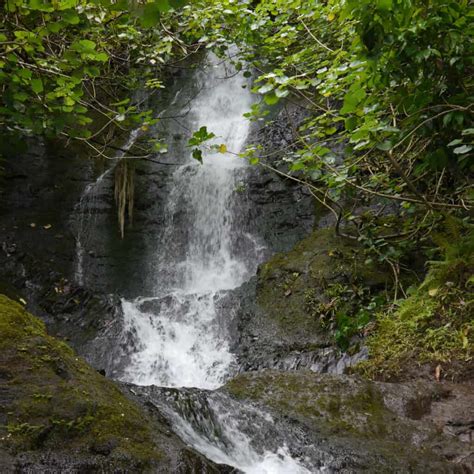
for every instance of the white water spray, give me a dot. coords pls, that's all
(181, 342)
(180, 339)
(218, 428)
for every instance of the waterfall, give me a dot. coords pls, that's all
(180, 337)
(237, 434)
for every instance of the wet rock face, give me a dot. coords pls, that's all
(57, 414)
(280, 318)
(281, 212)
(40, 191)
(111, 264)
(367, 426)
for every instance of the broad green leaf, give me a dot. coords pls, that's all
(271, 99)
(266, 88)
(282, 92)
(152, 11)
(197, 155)
(386, 145)
(462, 150)
(352, 99)
(37, 85)
(83, 46)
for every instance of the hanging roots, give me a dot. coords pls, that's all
(124, 193)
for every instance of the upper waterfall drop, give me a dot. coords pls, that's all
(208, 190)
(179, 338)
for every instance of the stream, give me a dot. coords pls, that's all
(179, 335)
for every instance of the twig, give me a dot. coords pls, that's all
(316, 39)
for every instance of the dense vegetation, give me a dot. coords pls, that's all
(68, 67)
(386, 145)
(388, 90)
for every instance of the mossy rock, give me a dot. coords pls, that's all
(377, 427)
(291, 283)
(52, 402)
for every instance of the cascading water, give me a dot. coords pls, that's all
(179, 338)
(240, 435)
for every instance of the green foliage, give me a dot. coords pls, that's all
(346, 310)
(201, 136)
(388, 82)
(434, 325)
(198, 138)
(65, 63)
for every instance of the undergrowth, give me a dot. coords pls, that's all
(433, 325)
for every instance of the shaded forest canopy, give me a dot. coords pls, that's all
(387, 89)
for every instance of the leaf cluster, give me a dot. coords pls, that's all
(66, 65)
(388, 90)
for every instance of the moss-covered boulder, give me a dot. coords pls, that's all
(309, 304)
(291, 284)
(57, 414)
(371, 426)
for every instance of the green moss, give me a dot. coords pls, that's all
(329, 404)
(296, 289)
(434, 325)
(56, 401)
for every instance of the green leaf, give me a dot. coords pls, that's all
(271, 99)
(37, 85)
(200, 137)
(177, 3)
(352, 99)
(83, 46)
(254, 161)
(152, 11)
(350, 123)
(266, 88)
(197, 155)
(384, 4)
(298, 165)
(102, 57)
(461, 150)
(281, 92)
(385, 146)
(40, 6)
(71, 17)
